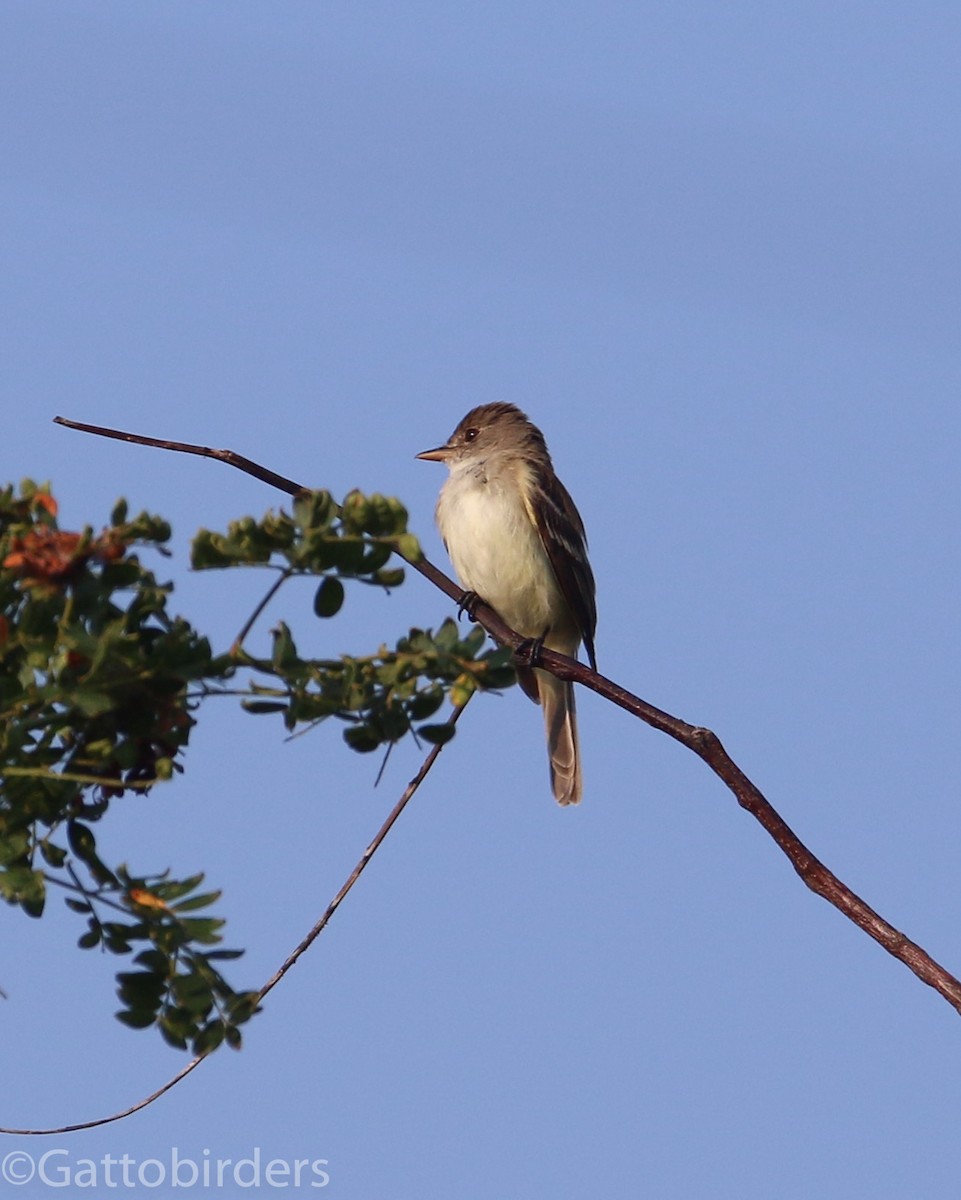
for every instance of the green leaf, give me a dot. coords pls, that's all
(448, 635)
(329, 597)
(169, 1031)
(242, 1006)
(141, 989)
(81, 839)
(121, 929)
(195, 902)
(409, 547)
(33, 905)
(436, 735)
(54, 855)
(475, 639)
(25, 887)
(495, 678)
(203, 929)
(314, 510)
(376, 556)
(193, 993)
(355, 511)
(284, 652)
(209, 1038)
(347, 555)
(141, 1019)
(260, 707)
(425, 704)
(361, 738)
(154, 961)
(173, 889)
(390, 577)
(93, 704)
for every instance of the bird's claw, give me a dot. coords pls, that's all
(528, 653)
(467, 604)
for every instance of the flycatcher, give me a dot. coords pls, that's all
(517, 541)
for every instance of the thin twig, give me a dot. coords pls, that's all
(226, 456)
(427, 569)
(364, 858)
(90, 897)
(266, 599)
(291, 958)
(79, 777)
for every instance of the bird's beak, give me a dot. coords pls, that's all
(441, 454)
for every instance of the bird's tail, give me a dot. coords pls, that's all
(560, 722)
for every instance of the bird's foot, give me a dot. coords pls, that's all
(467, 604)
(528, 653)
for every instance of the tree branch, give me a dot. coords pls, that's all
(705, 744)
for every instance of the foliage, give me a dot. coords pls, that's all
(99, 686)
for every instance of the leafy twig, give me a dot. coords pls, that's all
(291, 958)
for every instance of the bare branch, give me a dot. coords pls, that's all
(226, 456)
(427, 569)
(118, 1116)
(363, 860)
(707, 746)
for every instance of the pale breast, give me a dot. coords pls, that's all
(497, 552)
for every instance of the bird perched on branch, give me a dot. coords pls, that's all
(517, 541)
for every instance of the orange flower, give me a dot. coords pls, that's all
(46, 557)
(43, 555)
(44, 500)
(146, 899)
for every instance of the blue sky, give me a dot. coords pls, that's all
(713, 251)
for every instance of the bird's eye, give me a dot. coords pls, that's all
(470, 434)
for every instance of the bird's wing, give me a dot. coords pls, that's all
(562, 533)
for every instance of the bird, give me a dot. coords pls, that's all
(517, 541)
